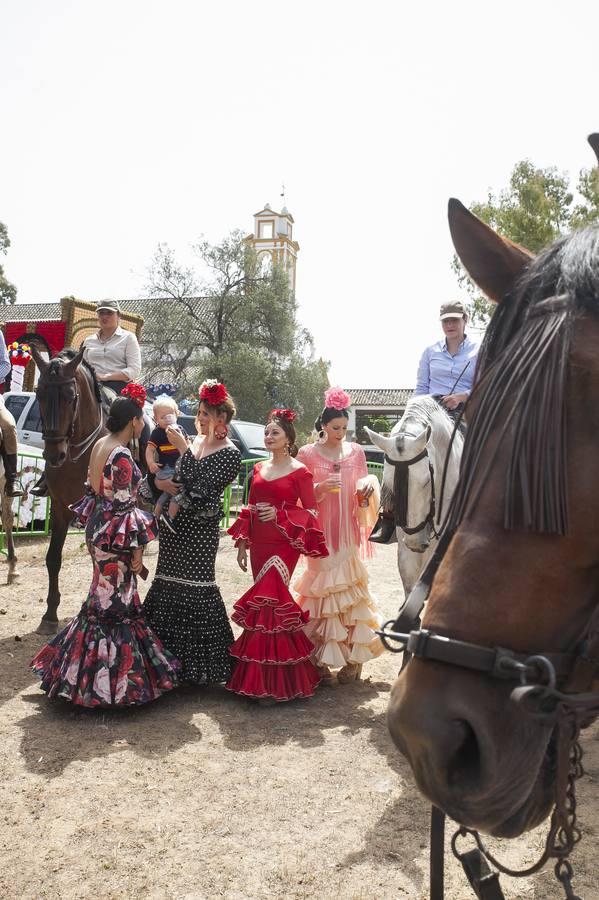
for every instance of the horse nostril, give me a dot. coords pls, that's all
(464, 767)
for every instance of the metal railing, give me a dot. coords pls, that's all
(31, 514)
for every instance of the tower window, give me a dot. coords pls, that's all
(265, 230)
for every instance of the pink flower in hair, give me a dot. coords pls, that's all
(336, 398)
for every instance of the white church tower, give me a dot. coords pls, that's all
(273, 240)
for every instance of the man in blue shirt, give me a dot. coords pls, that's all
(8, 447)
(446, 369)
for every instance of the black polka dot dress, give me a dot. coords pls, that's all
(184, 605)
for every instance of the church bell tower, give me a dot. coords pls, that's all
(273, 240)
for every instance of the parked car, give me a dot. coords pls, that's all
(248, 437)
(26, 412)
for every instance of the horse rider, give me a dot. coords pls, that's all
(446, 372)
(8, 426)
(115, 356)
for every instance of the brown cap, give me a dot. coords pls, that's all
(112, 305)
(453, 310)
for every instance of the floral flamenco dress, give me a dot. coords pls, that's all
(108, 655)
(334, 591)
(273, 653)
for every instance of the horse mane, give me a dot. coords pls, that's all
(520, 388)
(55, 368)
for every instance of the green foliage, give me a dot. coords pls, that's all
(380, 424)
(8, 292)
(243, 331)
(536, 208)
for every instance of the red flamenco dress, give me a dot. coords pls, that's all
(273, 653)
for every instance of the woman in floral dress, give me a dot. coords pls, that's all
(108, 655)
(184, 604)
(334, 591)
(273, 653)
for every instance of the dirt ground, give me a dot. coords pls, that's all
(203, 794)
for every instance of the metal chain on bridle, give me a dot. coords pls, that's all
(568, 711)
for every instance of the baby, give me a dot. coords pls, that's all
(162, 457)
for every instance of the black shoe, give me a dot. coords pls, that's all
(165, 519)
(11, 489)
(11, 475)
(384, 531)
(40, 488)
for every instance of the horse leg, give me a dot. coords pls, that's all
(59, 523)
(7, 524)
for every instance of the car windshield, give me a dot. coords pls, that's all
(252, 436)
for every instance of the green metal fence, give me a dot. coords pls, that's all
(31, 514)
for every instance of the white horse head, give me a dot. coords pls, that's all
(421, 441)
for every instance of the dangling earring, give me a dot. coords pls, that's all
(286, 449)
(221, 431)
(322, 436)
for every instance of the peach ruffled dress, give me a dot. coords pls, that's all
(334, 590)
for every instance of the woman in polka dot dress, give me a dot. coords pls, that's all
(273, 653)
(184, 605)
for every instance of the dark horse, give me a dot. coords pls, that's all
(521, 567)
(72, 417)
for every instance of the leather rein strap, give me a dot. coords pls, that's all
(80, 446)
(400, 492)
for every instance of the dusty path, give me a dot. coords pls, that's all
(202, 794)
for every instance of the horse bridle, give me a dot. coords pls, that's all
(568, 710)
(400, 493)
(80, 446)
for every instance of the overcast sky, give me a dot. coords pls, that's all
(129, 123)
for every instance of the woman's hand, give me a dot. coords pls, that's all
(176, 438)
(137, 562)
(242, 557)
(168, 485)
(266, 512)
(452, 401)
(154, 467)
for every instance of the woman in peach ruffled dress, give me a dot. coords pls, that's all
(334, 590)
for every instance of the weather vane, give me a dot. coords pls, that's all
(283, 193)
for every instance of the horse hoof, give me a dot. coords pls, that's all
(47, 627)
(13, 577)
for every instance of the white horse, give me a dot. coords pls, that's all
(415, 455)
(7, 523)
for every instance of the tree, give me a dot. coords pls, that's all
(8, 292)
(537, 207)
(237, 324)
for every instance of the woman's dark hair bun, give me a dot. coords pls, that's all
(318, 424)
(122, 411)
(328, 414)
(293, 449)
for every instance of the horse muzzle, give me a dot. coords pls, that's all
(55, 453)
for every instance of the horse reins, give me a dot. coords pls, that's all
(567, 710)
(86, 443)
(400, 493)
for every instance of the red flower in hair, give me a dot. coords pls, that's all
(135, 392)
(213, 392)
(287, 414)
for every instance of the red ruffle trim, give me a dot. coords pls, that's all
(284, 648)
(253, 679)
(302, 530)
(269, 607)
(240, 529)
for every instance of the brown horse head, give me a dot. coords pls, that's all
(521, 569)
(60, 390)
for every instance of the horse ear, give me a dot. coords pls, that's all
(39, 360)
(492, 261)
(593, 140)
(73, 364)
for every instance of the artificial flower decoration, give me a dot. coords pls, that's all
(336, 398)
(135, 392)
(287, 414)
(19, 354)
(213, 392)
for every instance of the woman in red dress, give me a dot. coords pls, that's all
(273, 654)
